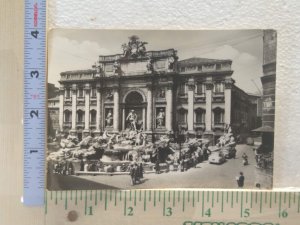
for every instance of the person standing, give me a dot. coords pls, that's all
(157, 167)
(132, 173)
(71, 168)
(141, 170)
(81, 165)
(241, 180)
(206, 152)
(137, 173)
(181, 165)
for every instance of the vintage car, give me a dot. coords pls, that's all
(229, 152)
(216, 158)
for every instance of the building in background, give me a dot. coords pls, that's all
(246, 112)
(53, 116)
(268, 83)
(155, 92)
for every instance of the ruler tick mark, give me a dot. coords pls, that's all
(183, 200)
(145, 197)
(261, 201)
(173, 198)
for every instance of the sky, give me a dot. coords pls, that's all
(79, 49)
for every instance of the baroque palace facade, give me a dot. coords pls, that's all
(163, 94)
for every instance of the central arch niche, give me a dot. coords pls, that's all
(134, 98)
(134, 102)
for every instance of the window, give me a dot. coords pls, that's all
(80, 93)
(68, 93)
(93, 116)
(93, 92)
(218, 116)
(219, 87)
(68, 116)
(209, 67)
(191, 68)
(200, 68)
(182, 116)
(218, 67)
(80, 116)
(200, 88)
(200, 116)
(182, 89)
(226, 66)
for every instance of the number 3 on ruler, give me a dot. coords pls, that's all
(169, 211)
(34, 73)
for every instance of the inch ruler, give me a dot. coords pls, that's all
(172, 207)
(34, 117)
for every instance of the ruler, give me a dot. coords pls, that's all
(172, 207)
(34, 117)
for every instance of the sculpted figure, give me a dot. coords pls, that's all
(109, 119)
(161, 93)
(109, 95)
(117, 68)
(142, 48)
(160, 119)
(126, 50)
(132, 119)
(150, 65)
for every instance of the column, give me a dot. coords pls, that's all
(116, 110)
(98, 110)
(61, 107)
(74, 109)
(227, 117)
(208, 100)
(123, 120)
(169, 108)
(144, 118)
(87, 110)
(149, 109)
(191, 88)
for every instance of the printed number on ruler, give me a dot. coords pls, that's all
(34, 101)
(257, 206)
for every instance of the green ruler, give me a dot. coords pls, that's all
(172, 207)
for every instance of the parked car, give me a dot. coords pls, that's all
(229, 152)
(216, 157)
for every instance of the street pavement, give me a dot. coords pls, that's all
(205, 175)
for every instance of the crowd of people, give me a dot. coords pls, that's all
(63, 168)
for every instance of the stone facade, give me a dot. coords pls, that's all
(268, 81)
(269, 78)
(53, 116)
(166, 95)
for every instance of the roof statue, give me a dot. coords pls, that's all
(134, 48)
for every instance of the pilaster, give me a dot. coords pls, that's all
(208, 99)
(228, 87)
(98, 110)
(87, 90)
(169, 108)
(116, 112)
(149, 107)
(191, 89)
(74, 109)
(61, 106)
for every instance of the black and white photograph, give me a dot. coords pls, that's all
(149, 109)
